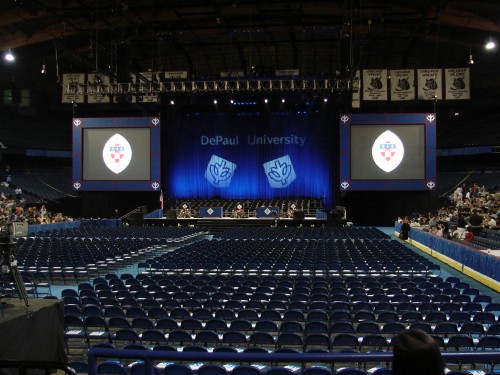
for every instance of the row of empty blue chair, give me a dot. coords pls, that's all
(293, 257)
(283, 233)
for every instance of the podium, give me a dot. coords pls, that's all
(215, 212)
(270, 212)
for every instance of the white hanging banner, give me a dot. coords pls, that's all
(98, 88)
(457, 83)
(148, 85)
(73, 88)
(375, 84)
(430, 84)
(402, 83)
(356, 90)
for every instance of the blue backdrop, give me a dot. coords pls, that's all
(248, 155)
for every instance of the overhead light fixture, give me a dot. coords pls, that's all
(43, 71)
(471, 61)
(172, 102)
(9, 56)
(490, 44)
(215, 101)
(325, 100)
(266, 101)
(282, 100)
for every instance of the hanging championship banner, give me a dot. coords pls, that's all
(356, 90)
(148, 86)
(457, 83)
(375, 84)
(72, 88)
(430, 84)
(98, 88)
(402, 84)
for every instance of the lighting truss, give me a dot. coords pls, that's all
(217, 86)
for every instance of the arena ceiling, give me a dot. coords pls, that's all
(206, 37)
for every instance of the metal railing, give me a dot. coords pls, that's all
(487, 357)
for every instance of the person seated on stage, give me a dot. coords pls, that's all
(238, 211)
(184, 212)
(291, 209)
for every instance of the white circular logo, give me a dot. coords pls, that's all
(388, 151)
(117, 153)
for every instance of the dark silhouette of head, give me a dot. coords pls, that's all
(416, 353)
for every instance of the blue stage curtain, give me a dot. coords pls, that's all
(249, 140)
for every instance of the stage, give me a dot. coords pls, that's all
(223, 223)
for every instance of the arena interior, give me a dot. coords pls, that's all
(246, 187)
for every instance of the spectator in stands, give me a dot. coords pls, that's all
(458, 194)
(43, 211)
(469, 235)
(476, 222)
(490, 222)
(19, 193)
(8, 180)
(459, 232)
(405, 229)
(416, 353)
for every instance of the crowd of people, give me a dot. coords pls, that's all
(13, 210)
(467, 212)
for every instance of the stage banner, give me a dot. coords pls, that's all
(402, 84)
(457, 83)
(72, 88)
(211, 212)
(269, 212)
(98, 88)
(429, 82)
(375, 84)
(254, 154)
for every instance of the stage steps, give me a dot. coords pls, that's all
(218, 226)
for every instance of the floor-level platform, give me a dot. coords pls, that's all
(227, 222)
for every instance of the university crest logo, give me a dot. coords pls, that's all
(388, 151)
(117, 153)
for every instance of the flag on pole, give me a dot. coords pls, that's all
(161, 199)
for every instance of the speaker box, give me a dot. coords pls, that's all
(136, 218)
(334, 218)
(298, 215)
(170, 214)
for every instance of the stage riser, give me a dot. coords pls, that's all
(220, 225)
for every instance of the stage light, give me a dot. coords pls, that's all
(282, 100)
(325, 100)
(471, 61)
(9, 56)
(215, 101)
(490, 44)
(172, 102)
(266, 100)
(231, 101)
(43, 71)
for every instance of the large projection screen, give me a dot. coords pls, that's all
(388, 152)
(116, 154)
